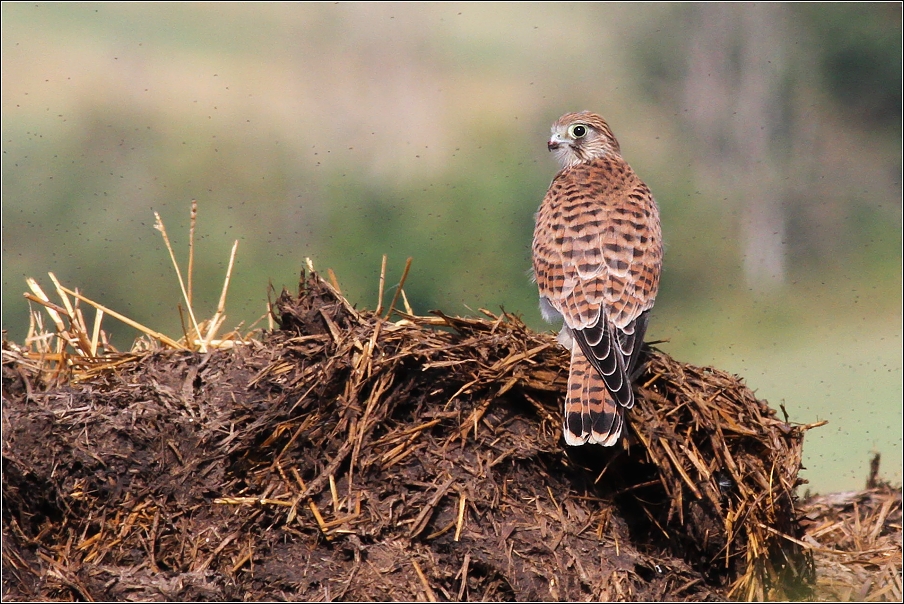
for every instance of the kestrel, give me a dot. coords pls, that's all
(597, 255)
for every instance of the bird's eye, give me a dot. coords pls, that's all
(577, 131)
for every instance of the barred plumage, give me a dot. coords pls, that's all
(597, 255)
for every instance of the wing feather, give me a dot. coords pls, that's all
(597, 257)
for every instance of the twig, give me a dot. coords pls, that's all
(191, 313)
(420, 522)
(219, 316)
(405, 302)
(333, 281)
(826, 550)
(464, 577)
(50, 306)
(204, 565)
(382, 285)
(462, 500)
(395, 298)
(430, 594)
(154, 334)
(193, 219)
(95, 333)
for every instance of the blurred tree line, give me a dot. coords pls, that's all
(770, 134)
(767, 91)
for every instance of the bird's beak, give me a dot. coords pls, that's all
(555, 141)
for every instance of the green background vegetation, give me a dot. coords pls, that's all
(770, 136)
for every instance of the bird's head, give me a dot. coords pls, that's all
(581, 137)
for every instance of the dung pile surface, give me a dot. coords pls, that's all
(348, 457)
(856, 539)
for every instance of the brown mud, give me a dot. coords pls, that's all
(346, 456)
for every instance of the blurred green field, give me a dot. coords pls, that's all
(769, 134)
(852, 386)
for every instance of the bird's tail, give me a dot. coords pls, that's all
(591, 413)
